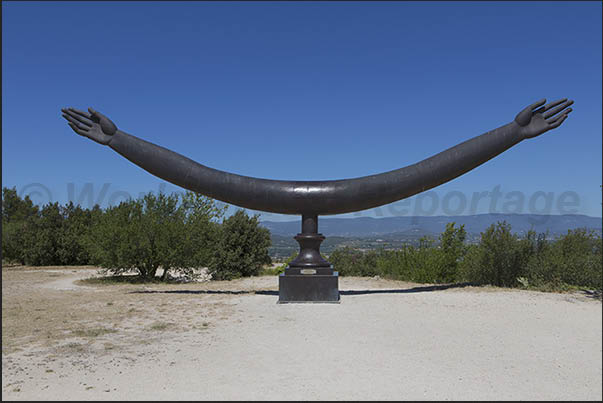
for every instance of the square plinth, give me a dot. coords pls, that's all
(308, 288)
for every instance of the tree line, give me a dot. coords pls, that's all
(181, 232)
(501, 258)
(177, 233)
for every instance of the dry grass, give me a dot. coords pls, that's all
(115, 314)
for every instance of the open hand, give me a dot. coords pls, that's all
(537, 119)
(93, 125)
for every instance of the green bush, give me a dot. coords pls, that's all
(13, 240)
(77, 223)
(572, 260)
(281, 268)
(42, 239)
(451, 253)
(18, 215)
(14, 208)
(52, 235)
(395, 264)
(425, 263)
(500, 259)
(201, 228)
(350, 262)
(144, 235)
(141, 235)
(241, 249)
(580, 253)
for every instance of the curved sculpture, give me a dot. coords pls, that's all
(319, 197)
(314, 198)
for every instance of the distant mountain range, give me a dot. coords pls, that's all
(434, 225)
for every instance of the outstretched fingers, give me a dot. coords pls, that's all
(79, 116)
(73, 122)
(550, 105)
(76, 129)
(81, 113)
(550, 111)
(557, 116)
(558, 121)
(537, 104)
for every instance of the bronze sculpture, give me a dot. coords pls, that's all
(309, 277)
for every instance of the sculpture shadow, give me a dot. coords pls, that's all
(259, 292)
(429, 288)
(594, 294)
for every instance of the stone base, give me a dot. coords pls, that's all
(313, 288)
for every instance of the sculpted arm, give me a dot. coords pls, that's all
(159, 161)
(319, 197)
(455, 161)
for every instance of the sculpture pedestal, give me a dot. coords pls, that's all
(309, 277)
(312, 288)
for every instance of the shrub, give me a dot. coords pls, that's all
(76, 224)
(141, 235)
(13, 240)
(241, 249)
(41, 239)
(580, 253)
(281, 268)
(18, 216)
(423, 264)
(351, 262)
(452, 251)
(15, 209)
(573, 259)
(499, 259)
(52, 235)
(201, 228)
(395, 264)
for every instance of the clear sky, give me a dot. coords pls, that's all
(305, 91)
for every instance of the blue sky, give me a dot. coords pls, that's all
(305, 91)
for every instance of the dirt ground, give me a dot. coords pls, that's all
(390, 340)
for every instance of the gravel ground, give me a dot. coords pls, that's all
(387, 340)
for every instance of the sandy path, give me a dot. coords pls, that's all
(460, 343)
(66, 282)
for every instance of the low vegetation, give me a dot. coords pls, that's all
(501, 259)
(170, 232)
(241, 248)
